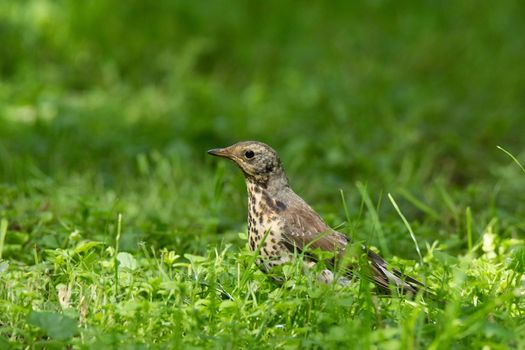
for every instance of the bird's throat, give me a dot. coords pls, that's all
(271, 183)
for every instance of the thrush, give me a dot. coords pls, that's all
(281, 223)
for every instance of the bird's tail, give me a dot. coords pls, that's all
(386, 278)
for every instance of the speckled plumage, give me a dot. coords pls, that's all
(281, 223)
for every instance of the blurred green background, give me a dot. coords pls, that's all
(109, 106)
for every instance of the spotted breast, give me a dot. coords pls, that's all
(266, 226)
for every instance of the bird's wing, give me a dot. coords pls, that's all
(303, 227)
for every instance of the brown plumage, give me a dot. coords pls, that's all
(281, 223)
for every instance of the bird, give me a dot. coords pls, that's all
(281, 223)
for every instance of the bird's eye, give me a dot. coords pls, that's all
(249, 154)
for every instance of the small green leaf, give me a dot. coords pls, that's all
(126, 260)
(55, 325)
(85, 246)
(243, 236)
(4, 265)
(517, 264)
(194, 258)
(227, 304)
(445, 258)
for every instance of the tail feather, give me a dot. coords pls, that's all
(385, 277)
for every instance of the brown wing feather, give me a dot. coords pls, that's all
(305, 228)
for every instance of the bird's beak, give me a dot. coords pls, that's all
(220, 152)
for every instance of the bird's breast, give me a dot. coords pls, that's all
(265, 225)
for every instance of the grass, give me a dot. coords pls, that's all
(118, 231)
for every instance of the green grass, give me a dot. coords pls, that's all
(402, 126)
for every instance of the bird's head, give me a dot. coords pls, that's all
(258, 161)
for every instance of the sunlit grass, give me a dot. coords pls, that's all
(216, 296)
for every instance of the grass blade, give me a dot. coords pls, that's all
(407, 226)
(512, 157)
(115, 261)
(375, 218)
(3, 233)
(468, 215)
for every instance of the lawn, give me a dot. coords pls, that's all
(117, 230)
